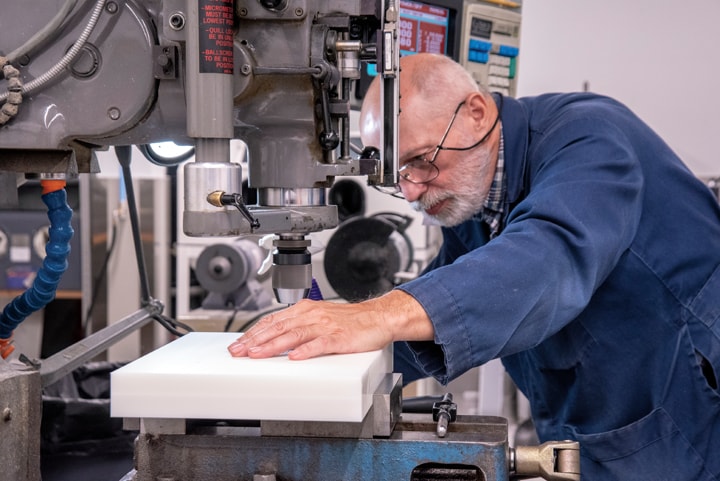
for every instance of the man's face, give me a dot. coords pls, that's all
(457, 193)
(464, 177)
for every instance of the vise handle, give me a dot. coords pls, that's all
(553, 460)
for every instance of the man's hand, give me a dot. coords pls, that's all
(314, 328)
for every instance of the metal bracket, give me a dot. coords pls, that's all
(167, 64)
(387, 405)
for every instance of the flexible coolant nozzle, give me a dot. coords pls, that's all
(46, 281)
(6, 347)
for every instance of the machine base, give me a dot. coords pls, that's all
(476, 447)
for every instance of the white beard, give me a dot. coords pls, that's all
(465, 200)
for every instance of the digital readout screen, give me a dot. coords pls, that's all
(479, 27)
(423, 28)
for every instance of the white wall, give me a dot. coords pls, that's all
(660, 57)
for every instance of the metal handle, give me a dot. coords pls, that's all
(553, 460)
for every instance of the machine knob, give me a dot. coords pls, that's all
(274, 4)
(329, 140)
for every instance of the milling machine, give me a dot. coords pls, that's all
(87, 75)
(275, 73)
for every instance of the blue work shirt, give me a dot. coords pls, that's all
(601, 295)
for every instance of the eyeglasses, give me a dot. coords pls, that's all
(422, 170)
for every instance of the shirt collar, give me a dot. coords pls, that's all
(493, 211)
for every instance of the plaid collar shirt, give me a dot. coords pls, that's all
(493, 211)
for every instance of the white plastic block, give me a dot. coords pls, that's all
(195, 377)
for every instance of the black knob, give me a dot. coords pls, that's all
(329, 140)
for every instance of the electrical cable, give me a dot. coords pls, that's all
(259, 316)
(172, 324)
(230, 320)
(97, 283)
(262, 314)
(60, 67)
(43, 35)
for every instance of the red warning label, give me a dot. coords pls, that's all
(216, 36)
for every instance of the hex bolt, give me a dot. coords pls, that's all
(114, 113)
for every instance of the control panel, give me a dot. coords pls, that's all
(490, 45)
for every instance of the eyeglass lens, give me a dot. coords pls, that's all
(419, 171)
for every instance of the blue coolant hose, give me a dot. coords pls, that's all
(48, 277)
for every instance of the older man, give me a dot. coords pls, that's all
(577, 248)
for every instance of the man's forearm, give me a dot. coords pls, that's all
(404, 316)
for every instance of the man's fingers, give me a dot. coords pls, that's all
(307, 329)
(274, 335)
(237, 349)
(291, 339)
(313, 348)
(265, 329)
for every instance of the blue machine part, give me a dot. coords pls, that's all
(48, 277)
(476, 446)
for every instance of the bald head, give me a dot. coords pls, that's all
(428, 82)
